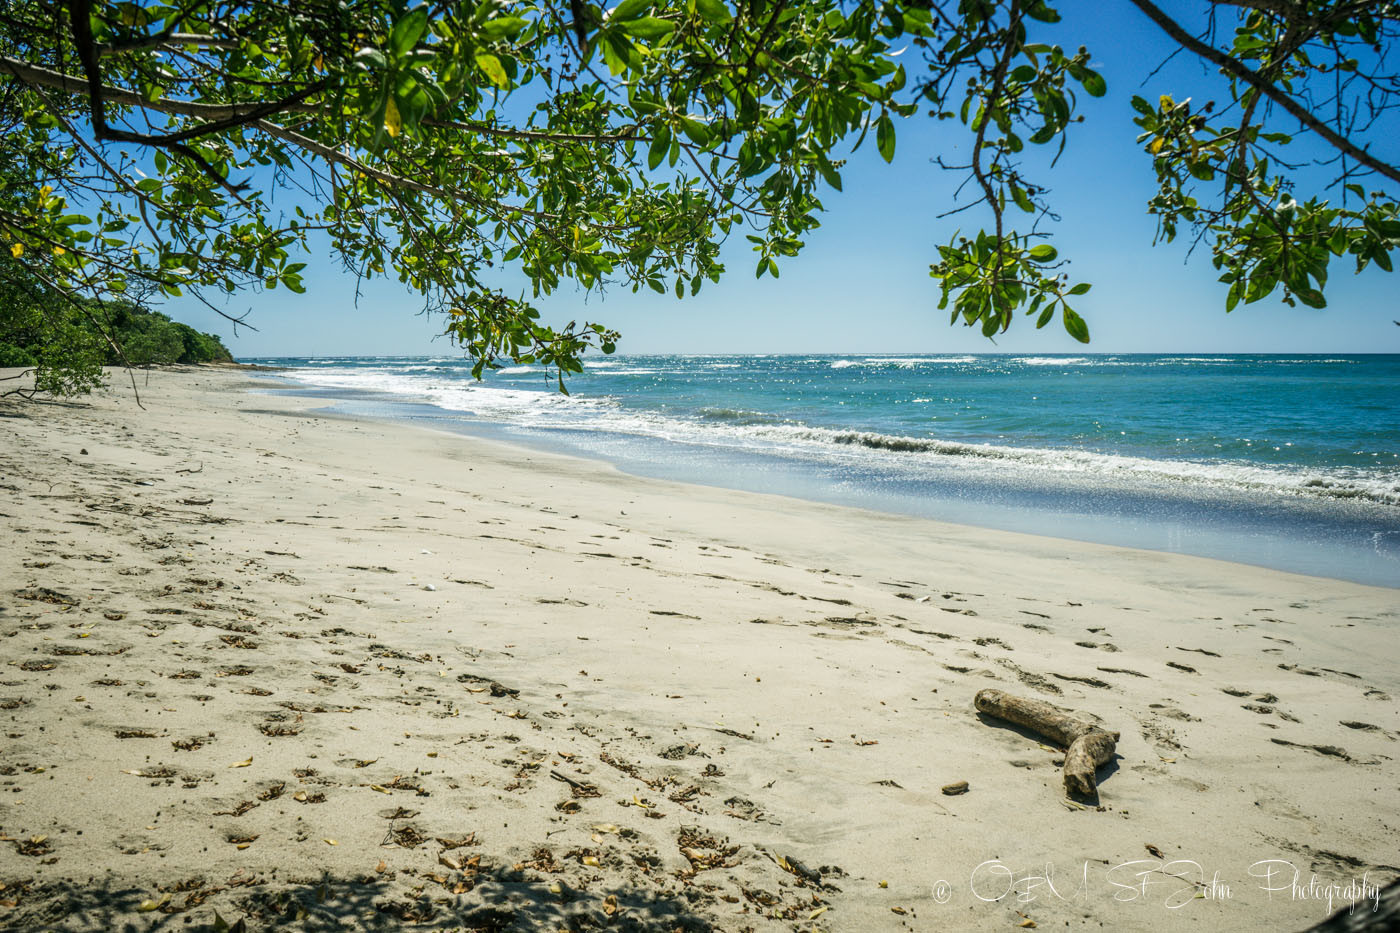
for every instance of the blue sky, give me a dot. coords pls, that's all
(862, 283)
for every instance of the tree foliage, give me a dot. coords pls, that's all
(67, 342)
(153, 149)
(1273, 180)
(197, 146)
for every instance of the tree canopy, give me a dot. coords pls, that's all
(156, 149)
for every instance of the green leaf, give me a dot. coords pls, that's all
(407, 31)
(372, 58)
(491, 65)
(713, 11)
(696, 131)
(1022, 199)
(503, 27)
(884, 138)
(828, 171)
(897, 82)
(628, 9)
(1081, 289)
(1044, 252)
(1201, 170)
(660, 146)
(1076, 327)
(648, 27)
(1094, 83)
(1311, 297)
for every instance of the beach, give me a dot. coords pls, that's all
(296, 667)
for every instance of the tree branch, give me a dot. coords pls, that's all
(1233, 68)
(164, 41)
(71, 84)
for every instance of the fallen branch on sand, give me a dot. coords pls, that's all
(1087, 744)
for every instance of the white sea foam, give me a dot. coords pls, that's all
(745, 429)
(908, 362)
(902, 362)
(1053, 360)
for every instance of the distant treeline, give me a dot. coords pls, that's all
(69, 341)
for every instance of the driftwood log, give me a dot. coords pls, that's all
(1087, 744)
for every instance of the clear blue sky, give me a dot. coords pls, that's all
(862, 283)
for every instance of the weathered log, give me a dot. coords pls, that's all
(1087, 744)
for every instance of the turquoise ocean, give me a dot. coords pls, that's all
(1291, 462)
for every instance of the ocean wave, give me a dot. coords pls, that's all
(1053, 360)
(1337, 484)
(901, 362)
(736, 415)
(741, 428)
(908, 362)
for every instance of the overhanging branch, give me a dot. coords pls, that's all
(1236, 70)
(72, 84)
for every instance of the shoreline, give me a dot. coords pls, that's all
(773, 678)
(1332, 538)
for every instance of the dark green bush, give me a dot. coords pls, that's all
(11, 355)
(69, 342)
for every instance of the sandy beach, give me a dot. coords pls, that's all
(317, 672)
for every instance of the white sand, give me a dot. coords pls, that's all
(744, 677)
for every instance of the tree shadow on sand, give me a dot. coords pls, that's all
(506, 902)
